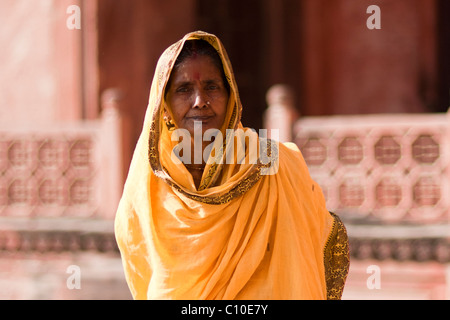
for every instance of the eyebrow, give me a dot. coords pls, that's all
(187, 83)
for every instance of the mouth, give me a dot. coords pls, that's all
(202, 118)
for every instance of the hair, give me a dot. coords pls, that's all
(194, 48)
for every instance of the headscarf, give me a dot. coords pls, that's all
(249, 231)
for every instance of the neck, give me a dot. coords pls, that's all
(197, 154)
(195, 166)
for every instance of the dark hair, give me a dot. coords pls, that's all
(193, 48)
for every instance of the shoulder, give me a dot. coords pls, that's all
(290, 159)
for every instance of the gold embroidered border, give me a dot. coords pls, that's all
(239, 189)
(336, 259)
(242, 187)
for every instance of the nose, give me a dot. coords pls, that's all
(200, 100)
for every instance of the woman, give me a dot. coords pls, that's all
(204, 227)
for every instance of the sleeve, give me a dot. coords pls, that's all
(336, 259)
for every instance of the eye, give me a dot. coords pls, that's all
(182, 89)
(212, 87)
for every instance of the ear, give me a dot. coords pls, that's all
(168, 120)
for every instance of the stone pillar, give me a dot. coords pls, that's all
(281, 113)
(111, 155)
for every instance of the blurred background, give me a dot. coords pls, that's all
(367, 107)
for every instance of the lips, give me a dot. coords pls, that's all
(200, 117)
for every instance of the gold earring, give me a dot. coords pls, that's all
(169, 123)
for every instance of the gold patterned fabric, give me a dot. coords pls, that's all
(248, 231)
(336, 259)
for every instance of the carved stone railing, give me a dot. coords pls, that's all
(50, 171)
(380, 170)
(61, 179)
(390, 168)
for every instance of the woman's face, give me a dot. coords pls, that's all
(197, 93)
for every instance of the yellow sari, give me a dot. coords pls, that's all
(242, 234)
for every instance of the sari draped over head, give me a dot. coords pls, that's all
(243, 233)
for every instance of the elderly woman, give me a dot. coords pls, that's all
(191, 227)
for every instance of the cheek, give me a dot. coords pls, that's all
(178, 107)
(223, 106)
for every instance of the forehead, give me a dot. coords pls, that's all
(199, 67)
